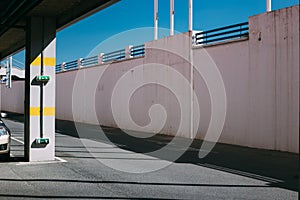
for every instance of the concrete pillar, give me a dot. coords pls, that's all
(40, 97)
(128, 52)
(0, 97)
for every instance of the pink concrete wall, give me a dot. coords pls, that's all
(232, 60)
(12, 99)
(260, 75)
(274, 79)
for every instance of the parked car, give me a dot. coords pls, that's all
(4, 140)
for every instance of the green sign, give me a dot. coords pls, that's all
(42, 140)
(42, 78)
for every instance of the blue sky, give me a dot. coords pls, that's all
(81, 38)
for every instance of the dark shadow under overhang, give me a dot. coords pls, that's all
(13, 15)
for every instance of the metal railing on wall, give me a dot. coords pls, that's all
(138, 51)
(71, 65)
(114, 56)
(235, 31)
(240, 30)
(89, 61)
(133, 52)
(58, 68)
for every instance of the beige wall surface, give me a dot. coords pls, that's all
(12, 99)
(260, 75)
(261, 78)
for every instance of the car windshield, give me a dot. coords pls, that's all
(3, 131)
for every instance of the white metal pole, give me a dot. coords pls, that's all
(191, 92)
(155, 19)
(10, 69)
(190, 15)
(10, 61)
(8, 72)
(172, 12)
(269, 5)
(192, 70)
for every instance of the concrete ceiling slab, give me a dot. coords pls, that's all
(14, 14)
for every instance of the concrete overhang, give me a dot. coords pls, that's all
(14, 14)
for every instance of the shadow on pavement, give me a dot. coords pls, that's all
(280, 169)
(71, 197)
(31, 181)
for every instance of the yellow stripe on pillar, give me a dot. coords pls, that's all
(48, 111)
(47, 62)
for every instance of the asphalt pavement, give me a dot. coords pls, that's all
(115, 165)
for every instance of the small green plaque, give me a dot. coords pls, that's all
(42, 78)
(42, 140)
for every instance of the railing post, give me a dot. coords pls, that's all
(79, 63)
(100, 58)
(63, 66)
(240, 31)
(128, 52)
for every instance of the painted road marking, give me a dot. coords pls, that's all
(15, 139)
